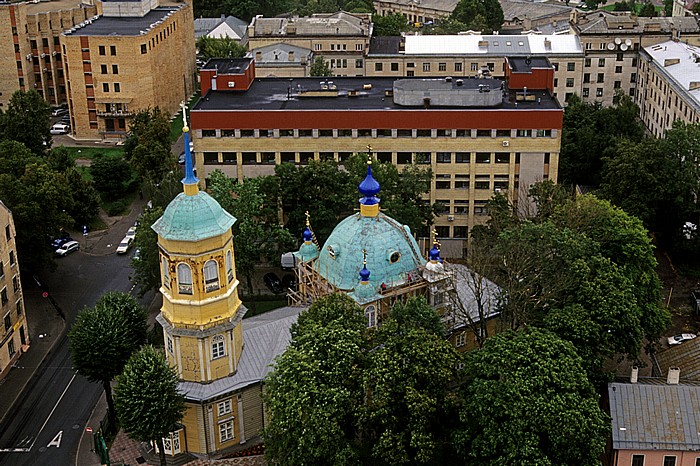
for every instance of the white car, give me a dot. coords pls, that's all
(131, 232)
(125, 245)
(67, 248)
(678, 339)
(60, 128)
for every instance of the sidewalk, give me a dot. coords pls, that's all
(46, 329)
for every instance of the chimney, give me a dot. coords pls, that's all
(291, 55)
(258, 56)
(674, 376)
(635, 374)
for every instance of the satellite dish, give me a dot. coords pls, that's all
(611, 46)
(628, 42)
(618, 41)
(623, 47)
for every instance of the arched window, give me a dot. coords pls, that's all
(166, 273)
(211, 275)
(229, 265)
(371, 315)
(217, 347)
(184, 278)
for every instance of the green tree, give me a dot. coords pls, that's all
(390, 25)
(410, 367)
(85, 204)
(148, 402)
(104, 337)
(148, 147)
(27, 120)
(315, 389)
(147, 267)
(526, 401)
(224, 47)
(696, 8)
(112, 175)
(668, 8)
(320, 68)
(648, 9)
(479, 15)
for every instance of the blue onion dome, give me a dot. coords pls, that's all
(369, 188)
(435, 253)
(307, 236)
(364, 274)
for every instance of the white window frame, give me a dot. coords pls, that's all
(170, 345)
(371, 316)
(211, 275)
(229, 265)
(226, 431)
(224, 407)
(218, 347)
(461, 339)
(184, 278)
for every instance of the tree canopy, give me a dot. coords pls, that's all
(27, 120)
(148, 147)
(479, 15)
(320, 67)
(390, 25)
(104, 337)
(526, 400)
(148, 402)
(224, 47)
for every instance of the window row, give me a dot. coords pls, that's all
(377, 133)
(210, 274)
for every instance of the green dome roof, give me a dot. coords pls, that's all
(392, 252)
(193, 218)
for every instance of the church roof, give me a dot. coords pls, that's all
(392, 252)
(193, 218)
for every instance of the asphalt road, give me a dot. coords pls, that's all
(45, 425)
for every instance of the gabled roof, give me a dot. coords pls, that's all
(278, 55)
(605, 22)
(266, 336)
(446, 6)
(532, 10)
(206, 26)
(655, 416)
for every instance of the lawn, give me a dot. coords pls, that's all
(92, 153)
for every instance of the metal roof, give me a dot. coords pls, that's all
(521, 9)
(203, 26)
(648, 416)
(322, 24)
(125, 26)
(193, 218)
(266, 336)
(681, 63)
(494, 45)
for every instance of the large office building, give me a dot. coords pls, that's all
(14, 333)
(669, 85)
(479, 135)
(30, 51)
(137, 55)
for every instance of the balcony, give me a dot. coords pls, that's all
(115, 113)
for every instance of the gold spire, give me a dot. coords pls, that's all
(364, 257)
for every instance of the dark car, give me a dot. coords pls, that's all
(60, 241)
(289, 281)
(272, 282)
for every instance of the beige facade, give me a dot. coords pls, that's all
(342, 39)
(120, 66)
(14, 333)
(426, 11)
(669, 85)
(30, 52)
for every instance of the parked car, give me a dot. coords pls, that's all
(131, 232)
(62, 239)
(65, 119)
(125, 245)
(272, 282)
(59, 111)
(67, 248)
(678, 339)
(60, 128)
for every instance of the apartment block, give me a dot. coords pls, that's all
(30, 52)
(341, 38)
(479, 135)
(14, 333)
(669, 85)
(129, 59)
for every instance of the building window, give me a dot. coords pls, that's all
(426, 67)
(442, 66)
(224, 407)
(410, 73)
(11, 347)
(117, 87)
(555, 66)
(101, 49)
(184, 278)
(502, 157)
(19, 308)
(587, 62)
(12, 258)
(170, 345)
(378, 66)
(443, 157)
(166, 273)
(15, 283)
(637, 460)
(143, 49)
(358, 63)
(618, 69)
(669, 461)
(461, 339)
(571, 66)
(633, 77)
(8, 234)
(105, 87)
(462, 157)
(318, 47)
(115, 69)
(226, 431)
(599, 92)
(483, 157)
(585, 92)
(458, 67)
(103, 69)
(601, 77)
(112, 49)
(8, 322)
(569, 82)
(217, 347)
(461, 231)
(601, 62)
(394, 67)
(211, 276)
(617, 84)
(229, 265)
(620, 57)
(371, 315)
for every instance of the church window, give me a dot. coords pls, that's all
(184, 278)
(211, 275)
(371, 315)
(217, 347)
(229, 265)
(166, 273)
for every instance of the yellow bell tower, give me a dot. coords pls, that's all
(201, 314)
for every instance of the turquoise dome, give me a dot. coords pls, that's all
(392, 252)
(193, 218)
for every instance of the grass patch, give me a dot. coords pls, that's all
(263, 305)
(92, 153)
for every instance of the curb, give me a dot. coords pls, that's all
(41, 363)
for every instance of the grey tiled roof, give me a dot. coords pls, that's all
(203, 26)
(534, 10)
(447, 6)
(338, 24)
(265, 337)
(603, 22)
(685, 356)
(651, 416)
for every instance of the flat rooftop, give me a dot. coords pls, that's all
(227, 65)
(523, 65)
(681, 62)
(127, 26)
(307, 94)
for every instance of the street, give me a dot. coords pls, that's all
(47, 421)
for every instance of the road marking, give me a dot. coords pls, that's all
(51, 413)
(14, 450)
(56, 442)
